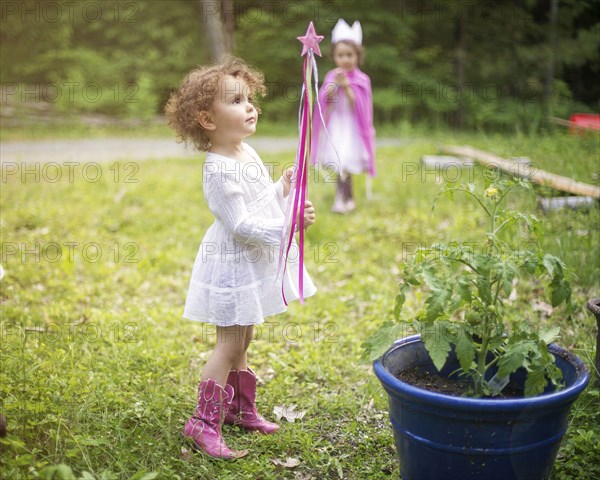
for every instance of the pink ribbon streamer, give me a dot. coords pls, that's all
(297, 196)
(294, 215)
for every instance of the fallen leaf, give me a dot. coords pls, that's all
(265, 376)
(303, 476)
(443, 225)
(119, 196)
(35, 329)
(544, 308)
(513, 293)
(186, 454)
(290, 462)
(289, 413)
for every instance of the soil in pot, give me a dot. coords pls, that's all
(427, 380)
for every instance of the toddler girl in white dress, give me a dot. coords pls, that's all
(234, 282)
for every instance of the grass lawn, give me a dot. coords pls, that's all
(99, 370)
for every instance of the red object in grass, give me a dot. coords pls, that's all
(584, 121)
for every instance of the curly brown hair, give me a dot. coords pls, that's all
(197, 92)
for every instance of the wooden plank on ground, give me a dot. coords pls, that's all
(531, 172)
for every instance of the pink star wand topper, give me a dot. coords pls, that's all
(297, 196)
(310, 41)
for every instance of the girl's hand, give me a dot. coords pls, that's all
(286, 178)
(309, 214)
(341, 79)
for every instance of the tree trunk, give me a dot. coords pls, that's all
(552, 50)
(530, 172)
(229, 25)
(460, 65)
(218, 24)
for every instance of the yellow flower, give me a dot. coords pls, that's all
(492, 193)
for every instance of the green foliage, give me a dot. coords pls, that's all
(140, 50)
(468, 287)
(118, 58)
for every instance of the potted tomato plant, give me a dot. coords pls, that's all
(506, 389)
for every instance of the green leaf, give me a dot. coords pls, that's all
(548, 335)
(553, 264)
(463, 288)
(465, 351)
(489, 176)
(454, 303)
(437, 344)
(497, 341)
(400, 299)
(535, 383)
(485, 289)
(436, 304)
(512, 359)
(409, 276)
(450, 194)
(376, 345)
(560, 291)
(430, 279)
(506, 274)
(530, 264)
(548, 264)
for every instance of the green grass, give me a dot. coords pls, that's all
(99, 370)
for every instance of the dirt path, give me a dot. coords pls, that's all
(111, 149)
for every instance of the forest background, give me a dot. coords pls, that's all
(463, 63)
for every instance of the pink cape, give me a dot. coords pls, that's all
(363, 108)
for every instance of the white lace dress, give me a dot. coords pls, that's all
(234, 280)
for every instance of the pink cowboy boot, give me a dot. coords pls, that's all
(204, 427)
(243, 410)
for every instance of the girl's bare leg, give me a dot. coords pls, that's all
(242, 363)
(229, 353)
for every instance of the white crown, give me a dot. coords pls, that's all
(343, 31)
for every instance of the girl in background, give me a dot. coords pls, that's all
(346, 102)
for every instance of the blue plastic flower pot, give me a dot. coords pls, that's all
(454, 438)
